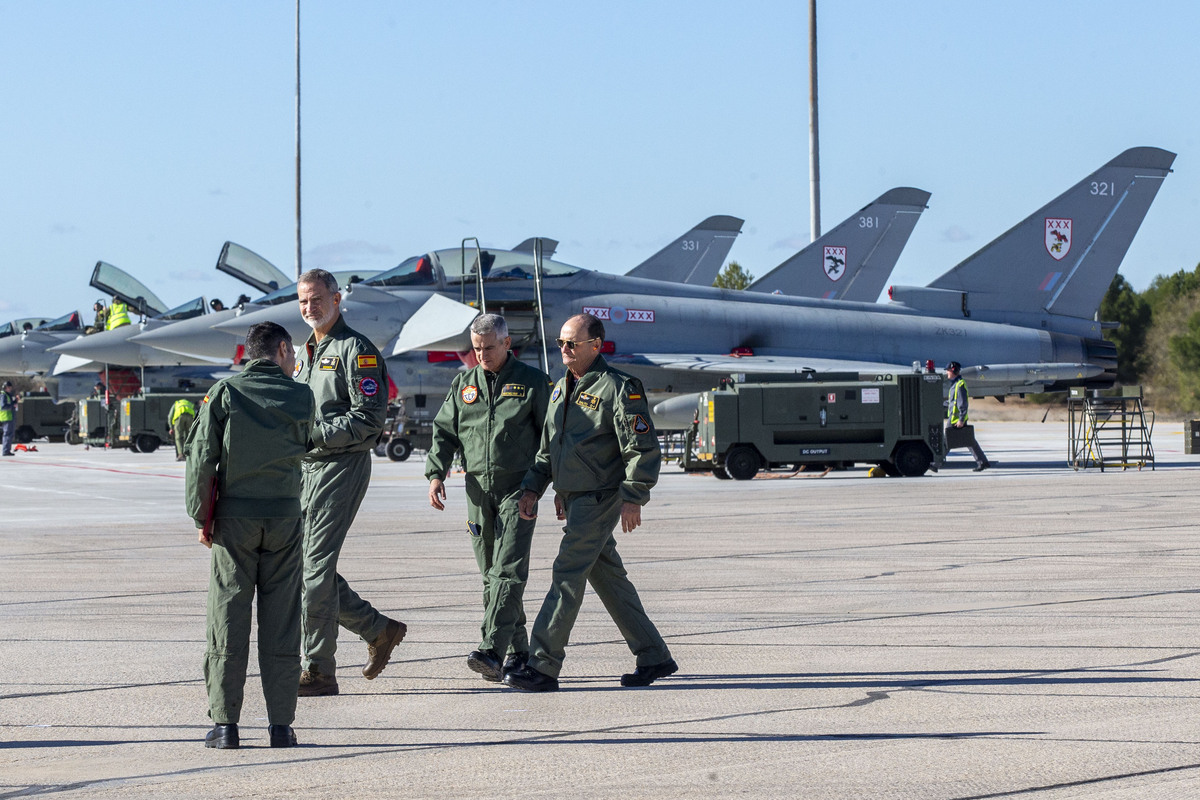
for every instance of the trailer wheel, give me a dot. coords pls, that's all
(912, 459)
(742, 463)
(399, 449)
(23, 434)
(145, 443)
(720, 473)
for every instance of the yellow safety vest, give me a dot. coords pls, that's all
(180, 408)
(960, 385)
(8, 402)
(118, 315)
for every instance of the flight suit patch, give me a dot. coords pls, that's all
(635, 396)
(368, 386)
(367, 362)
(588, 401)
(474, 528)
(512, 390)
(557, 393)
(329, 363)
(296, 371)
(470, 394)
(640, 425)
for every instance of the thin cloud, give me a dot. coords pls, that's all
(956, 234)
(347, 253)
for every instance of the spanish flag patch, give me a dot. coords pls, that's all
(367, 362)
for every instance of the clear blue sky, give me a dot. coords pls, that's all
(146, 133)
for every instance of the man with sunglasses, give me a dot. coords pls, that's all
(600, 450)
(494, 415)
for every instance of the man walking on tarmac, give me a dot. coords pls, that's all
(179, 422)
(494, 414)
(350, 384)
(601, 451)
(252, 432)
(963, 434)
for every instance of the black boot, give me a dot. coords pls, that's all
(223, 737)
(282, 736)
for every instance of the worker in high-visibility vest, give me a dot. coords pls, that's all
(956, 411)
(8, 416)
(183, 414)
(118, 315)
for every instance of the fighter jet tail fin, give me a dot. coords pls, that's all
(548, 246)
(1051, 270)
(853, 260)
(694, 258)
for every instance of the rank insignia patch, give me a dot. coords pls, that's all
(470, 394)
(367, 362)
(640, 425)
(296, 371)
(368, 386)
(588, 401)
(329, 363)
(557, 393)
(512, 390)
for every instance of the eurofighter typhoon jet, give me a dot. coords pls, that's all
(1018, 314)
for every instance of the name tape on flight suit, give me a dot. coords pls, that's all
(512, 390)
(588, 401)
(329, 363)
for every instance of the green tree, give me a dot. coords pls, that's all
(1122, 304)
(1166, 288)
(733, 277)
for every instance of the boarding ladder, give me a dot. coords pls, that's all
(1109, 430)
(537, 327)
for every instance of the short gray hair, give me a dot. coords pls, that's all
(490, 323)
(320, 276)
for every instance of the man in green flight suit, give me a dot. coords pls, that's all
(179, 422)
(494, 414)
(251, 433)
(350, 384)
(600, 450)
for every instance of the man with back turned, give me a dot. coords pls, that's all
(249, 437)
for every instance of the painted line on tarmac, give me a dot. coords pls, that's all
(101, 469)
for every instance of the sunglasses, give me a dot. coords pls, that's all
(570, 345)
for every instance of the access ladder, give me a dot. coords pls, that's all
(1109, 430)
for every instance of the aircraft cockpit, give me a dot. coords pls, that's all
(192, 308)
(448, 267)
(67, 322)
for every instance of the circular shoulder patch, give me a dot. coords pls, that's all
(557, 393)
(470, 394)
(299, 366)
(368, 386)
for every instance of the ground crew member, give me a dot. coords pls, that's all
(956, 411)
(250, 436)
(600, 450)
(101, 318)
(179, 422)
(350, 385)
(118, 315)
(8, 416)
(494, 414)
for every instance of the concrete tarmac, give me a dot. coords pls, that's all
(1030, 631)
